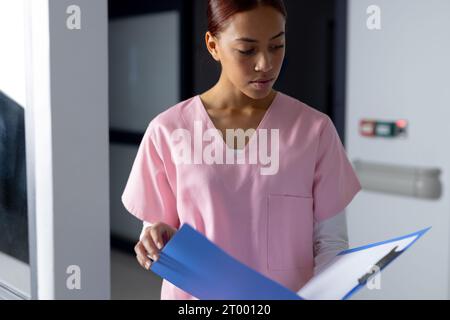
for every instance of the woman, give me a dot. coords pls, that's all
(288, 223)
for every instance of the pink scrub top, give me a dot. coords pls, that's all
(264, 221)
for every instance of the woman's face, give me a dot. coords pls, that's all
(251, 47)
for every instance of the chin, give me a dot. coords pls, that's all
(258, 94)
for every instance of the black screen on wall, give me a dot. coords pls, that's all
(13, 188)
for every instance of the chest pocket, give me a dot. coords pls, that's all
(289, 231)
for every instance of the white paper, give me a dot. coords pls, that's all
(343, 272)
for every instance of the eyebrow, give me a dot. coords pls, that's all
(253, 40)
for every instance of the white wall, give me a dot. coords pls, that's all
(12, 53)
(402, 72)
(67, 132)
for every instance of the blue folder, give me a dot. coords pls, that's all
(196, 265)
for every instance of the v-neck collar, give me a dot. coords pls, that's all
(261, 124)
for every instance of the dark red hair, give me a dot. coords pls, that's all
(219, 11)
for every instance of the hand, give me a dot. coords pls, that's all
(152, 241)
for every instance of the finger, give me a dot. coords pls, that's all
(141, 255)
(145, 263)
(150, 246)
(165, 237)
(140, 249)
(169, 234)
(157, 238)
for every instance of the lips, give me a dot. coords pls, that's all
(262, 81)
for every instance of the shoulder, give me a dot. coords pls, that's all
(307, 116)
(171, 118)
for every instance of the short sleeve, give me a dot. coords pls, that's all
(335, 181)
(148, 194)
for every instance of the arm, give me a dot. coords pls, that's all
(330, 237)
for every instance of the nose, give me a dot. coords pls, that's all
(264, 62)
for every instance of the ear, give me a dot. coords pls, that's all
(211, 45)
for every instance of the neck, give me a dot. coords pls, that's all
(225, 95)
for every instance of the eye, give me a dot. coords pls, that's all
(249, 52)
